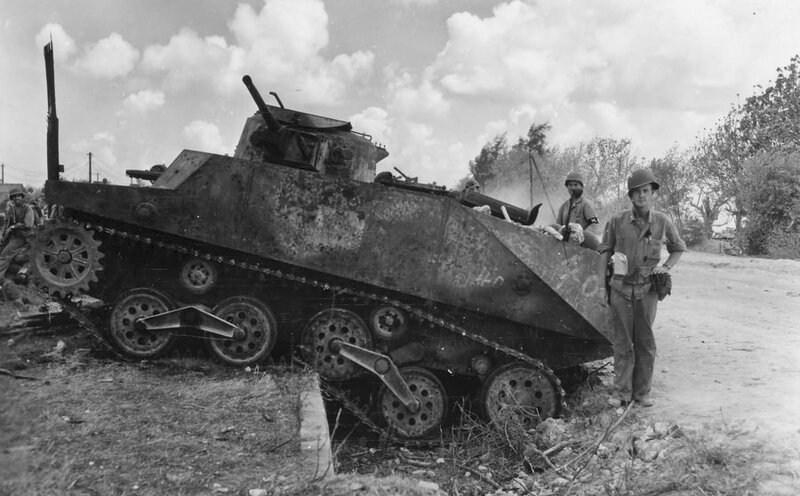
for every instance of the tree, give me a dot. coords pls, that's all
(607, 163)
(770, 120)
(672, 173)
(717, 167)
(771, 193)
(536, 141)
(483, 167)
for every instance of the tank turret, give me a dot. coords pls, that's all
(307, 141)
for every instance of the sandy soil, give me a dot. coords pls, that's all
(729, 346)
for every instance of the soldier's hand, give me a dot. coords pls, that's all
(661, 269)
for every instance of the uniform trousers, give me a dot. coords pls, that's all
(634, 343)
(17, 245)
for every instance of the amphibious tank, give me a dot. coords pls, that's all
(401, 294)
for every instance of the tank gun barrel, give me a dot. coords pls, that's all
(272, 123)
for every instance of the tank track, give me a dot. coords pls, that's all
(339, 395)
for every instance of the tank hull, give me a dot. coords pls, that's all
(410, 243)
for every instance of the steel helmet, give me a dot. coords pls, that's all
(472, 184)
(641, 177)
(574, 176)
(17, 190)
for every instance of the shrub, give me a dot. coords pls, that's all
(771, 196)
(694, 232)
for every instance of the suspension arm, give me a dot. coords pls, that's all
(192, 316)
(380, 365)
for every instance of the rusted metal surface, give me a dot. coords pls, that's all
(424, 245)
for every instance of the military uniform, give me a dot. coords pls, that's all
(17, 238)
(580, 211)
(632, 298)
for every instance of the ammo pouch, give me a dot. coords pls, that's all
(662, 284)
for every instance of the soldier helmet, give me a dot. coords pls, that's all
(472, 184)
(16, 191)
(574, 176)
(641, 177)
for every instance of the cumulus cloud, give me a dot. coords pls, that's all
(203, 135)
(109, 58)
(422, 99)
(279, 45)
(624, 64)
(375, 122)
(143, 101)
(63, 44)
(544, 51)
(189, 58)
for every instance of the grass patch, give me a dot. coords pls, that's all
(179, 426)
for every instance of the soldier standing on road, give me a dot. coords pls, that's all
(20, 219)
(578, 210)
(635, 238)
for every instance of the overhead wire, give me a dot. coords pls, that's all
(547, 196)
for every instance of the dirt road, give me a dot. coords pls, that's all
(729, 347)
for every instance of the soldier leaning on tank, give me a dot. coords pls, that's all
(633, 240)
(20, 219)
(578, 210)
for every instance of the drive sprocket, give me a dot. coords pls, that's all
(65, 258)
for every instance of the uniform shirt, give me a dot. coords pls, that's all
(15, 215)
(641, 242)
(582, 213)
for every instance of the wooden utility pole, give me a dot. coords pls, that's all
(53, 167)
(90, 167)
(2, 173)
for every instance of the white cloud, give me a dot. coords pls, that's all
(109, 58)
(492, 129)
(375, 122)
(415, 3)
(104, 137)
(419, 99)
(143, 101)
(188, 58)
(279, 46)
(205, 136)
(622, 66)
(63, 44)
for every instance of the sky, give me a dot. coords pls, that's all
(432, 80)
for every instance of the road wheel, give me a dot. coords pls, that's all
(259, 331)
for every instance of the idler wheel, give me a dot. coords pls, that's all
(65, 258)
(388, 322)
(321, 330)
(133, 340)
(432, 397)
(518, 393)
(198, 276)
(259, 331)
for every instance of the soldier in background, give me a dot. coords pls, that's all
(578, 210)
(20, 220)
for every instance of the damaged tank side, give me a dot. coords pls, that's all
(291, 241)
